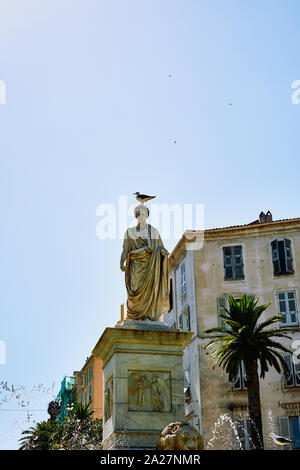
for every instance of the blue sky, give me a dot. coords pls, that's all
(91, 113)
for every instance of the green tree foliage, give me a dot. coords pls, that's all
(78, 431)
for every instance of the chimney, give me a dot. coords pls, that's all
(265, 218)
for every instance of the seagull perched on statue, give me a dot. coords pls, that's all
(143, 197)
(279, 440)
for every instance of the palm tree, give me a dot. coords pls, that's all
(78, 430)
(39, 437)
(81, 412)
(243, 338)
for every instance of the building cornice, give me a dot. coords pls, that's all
(251, 230)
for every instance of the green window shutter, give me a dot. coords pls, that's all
(182, 278)
(288, 255)
(171, 295)
(244, 375)
(228, 262)
(221, 303)
(282, 307)
(297, 373)
(292, 307)
(188, 319)
(181, 321)
(238, 262)
(288, 378)
(275, 257)
(284, 428)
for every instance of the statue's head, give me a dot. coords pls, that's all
(141, 212)
(180, 436)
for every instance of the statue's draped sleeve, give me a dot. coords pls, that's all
(125, 249)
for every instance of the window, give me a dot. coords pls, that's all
(240, 381)
(233, 262)
(182, 279)
(85, 378)
(292, 379)
(287, 307)
(187, 385)
(90, 392)
(171, 295)
(85, 398)
(188, 320)
(221, 304)
(289, 426)
(90, 373)
(185, 320)
(243, 432)
(81, 399)
(282, 257)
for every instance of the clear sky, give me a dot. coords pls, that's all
(97, 92)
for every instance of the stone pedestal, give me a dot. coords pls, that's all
(143, 382)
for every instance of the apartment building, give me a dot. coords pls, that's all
(261, 258)
(89, 385)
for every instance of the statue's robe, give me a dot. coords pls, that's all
(147, 274)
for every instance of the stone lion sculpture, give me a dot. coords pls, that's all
(180, 436)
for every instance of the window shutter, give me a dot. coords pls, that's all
(221, 303)
(288, 255)
(284, 427)
(183, 281)
(171, 295)
(297, 373)
(282, 310)
(181, 321)
(188, 320)
(187, 379)
(237, 381)
(289, 379)
(238, 256)
(228, 262)
(244, 375)
(275, 257)
(292, 308)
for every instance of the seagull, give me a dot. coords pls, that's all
(143, 197)
(279, 440)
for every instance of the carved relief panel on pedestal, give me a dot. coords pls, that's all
(108, 399)
(149, 391)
